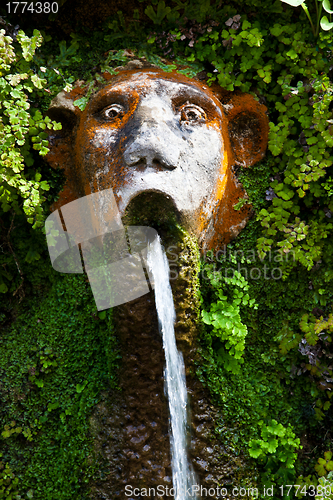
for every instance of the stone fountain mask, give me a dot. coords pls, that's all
(166, 138)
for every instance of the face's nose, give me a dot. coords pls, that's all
(157, 136)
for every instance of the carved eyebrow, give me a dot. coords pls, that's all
(184, 93)
(195, 96)
(104, 99)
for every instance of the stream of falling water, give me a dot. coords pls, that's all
(183, 477)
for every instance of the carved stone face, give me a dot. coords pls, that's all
(155, 132)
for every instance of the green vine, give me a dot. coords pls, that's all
(21, 128)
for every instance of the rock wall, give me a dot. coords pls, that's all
(131, 428)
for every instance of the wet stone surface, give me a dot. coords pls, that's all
(131, 427)
(146, 130)
(140, 439)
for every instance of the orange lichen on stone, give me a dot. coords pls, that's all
(150, 131)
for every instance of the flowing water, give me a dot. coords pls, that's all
(174, 374)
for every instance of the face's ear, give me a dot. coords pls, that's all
(60, 155)
(247, 128)
(245, 132)
(62, 110)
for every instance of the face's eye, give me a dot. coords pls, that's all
(191, 113)
(113, 111)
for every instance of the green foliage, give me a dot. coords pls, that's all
(288, 338)
(56, 359)
(158, 16)
(317, 346)
(280, 62)
(224, 316)
(278, 441)
(325, 464)
(325, 487)
(44, 364)
(21, 128)
(8, 482)
(252, 394)
(266, 342)
(323, 21)
(271, 384)
(315, 327)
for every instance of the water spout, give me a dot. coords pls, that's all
(174, 374)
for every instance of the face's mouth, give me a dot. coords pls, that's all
(152, 208)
